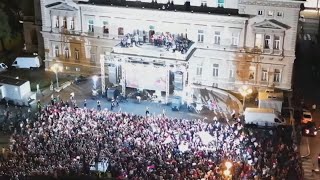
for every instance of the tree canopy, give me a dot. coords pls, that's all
(5, 30)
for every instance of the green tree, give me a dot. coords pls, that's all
(5, 30)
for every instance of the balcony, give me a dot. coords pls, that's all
(179, 51)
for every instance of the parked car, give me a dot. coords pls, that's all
(309, 129)
(3, 67)
(306, 116)
(80, 79)
(176, 103)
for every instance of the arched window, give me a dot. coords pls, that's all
(66, 53)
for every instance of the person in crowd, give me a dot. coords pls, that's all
(66, 141)
(85, 103)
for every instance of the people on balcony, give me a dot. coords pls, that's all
(166, 40)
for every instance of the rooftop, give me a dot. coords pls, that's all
(165, 7)
(11, 81)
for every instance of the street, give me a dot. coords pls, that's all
(306, 88)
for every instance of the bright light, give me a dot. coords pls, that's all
(56, 68)
(95, 78)
(227, 172)
(245, 90)
(228, 164)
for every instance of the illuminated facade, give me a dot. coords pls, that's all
(230, 42)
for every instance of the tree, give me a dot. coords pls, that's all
(5, 30)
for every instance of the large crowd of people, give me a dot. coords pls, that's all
(65, 141)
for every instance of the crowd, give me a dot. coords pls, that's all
(167, 40)
(65, 141)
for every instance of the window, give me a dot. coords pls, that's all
(200, 36)
(260, 12)
(93, 54)
(235, 39)
(56, 51)
(231, 73)
(199, 70)
(251, 75)
(279, 14)
(277, 75)
(267, 41)
(92, 57)
(57, 22)
(76, 54)
(258, 41)
(105, 28)
(264, 76)
(270, 13)
(220, 3)
(72, 24)
(215, 70)
(91, 26)
(66, 53)
(64, 22)
(217, 37)
(276, 43)
(120, 31)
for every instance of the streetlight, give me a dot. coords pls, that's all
(95, 79)
(56, 68)
(244, 91)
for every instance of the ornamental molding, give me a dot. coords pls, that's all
(270, 3)
(144, 14)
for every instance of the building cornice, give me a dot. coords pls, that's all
(145, 13)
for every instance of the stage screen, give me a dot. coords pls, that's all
(146, 77)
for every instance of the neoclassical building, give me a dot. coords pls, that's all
(216, 43)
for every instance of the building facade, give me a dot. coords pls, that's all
(233, 42)
(32, 25)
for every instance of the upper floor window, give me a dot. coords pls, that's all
(199, 70)
(64, 22)
(200, 35)
(72, 24)
(258, 41)
(57, 21)
(217, 37)
(270, 13)
(215, 70)
(91, 26)
(66, 53)
(76, 54)
(120, 31)
(260, 12)
(231, 73)
(56, 51)
(267, 41)
(105, 27)
(220, 3)
(235, 39)
(277, 75)
(280, 14)
(264, 75)
(276, 43)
